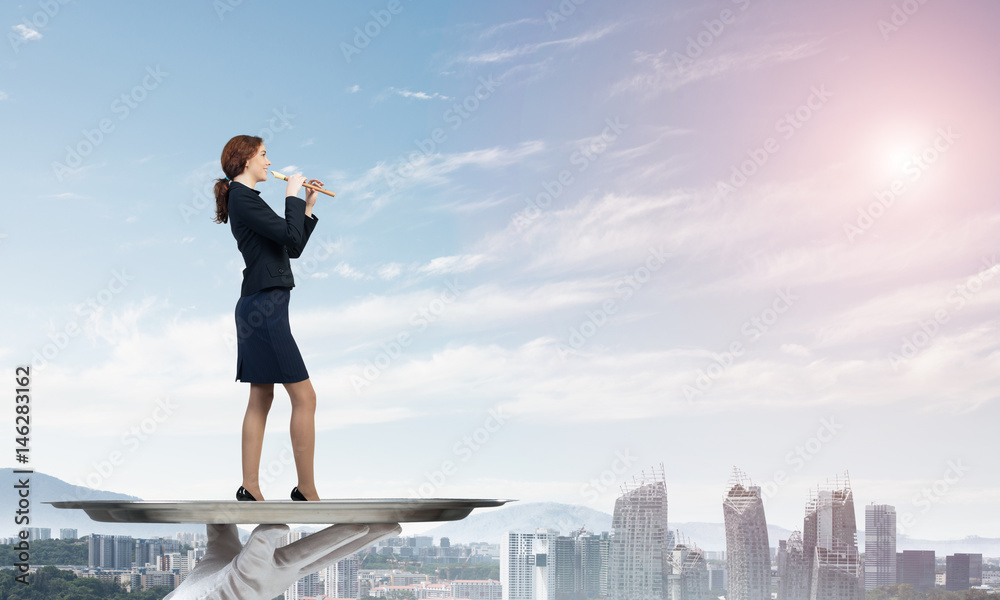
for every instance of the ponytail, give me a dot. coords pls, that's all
(235, 155)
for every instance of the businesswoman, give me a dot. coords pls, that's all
(266, 352)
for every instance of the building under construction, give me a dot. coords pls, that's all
(641, 544)
(830, 543)
(688, 577)
(748, 555)
(793, 569)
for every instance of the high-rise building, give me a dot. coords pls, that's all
(830, 543)
(109, 551)
(963, 571)
(793, 569)
(341, 579)
(688, 576)
(748, 556)
(525, 569)
(593, 564)
(67, 534)
(566, 563)
(639, 550)
(39, 533)
(916, 568)
(880, 546)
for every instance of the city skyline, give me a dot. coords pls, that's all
(569, 240)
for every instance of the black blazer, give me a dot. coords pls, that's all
(267, 241)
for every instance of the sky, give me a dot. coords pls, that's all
(571, 241)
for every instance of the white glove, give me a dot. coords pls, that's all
(261, 570)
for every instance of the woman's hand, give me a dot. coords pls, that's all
(312, 195)
(294, 185)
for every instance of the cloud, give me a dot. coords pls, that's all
(669, 70)
(418, 95)
(497, 56)
(495, 29)
(3, 95)
(390, 271)
(452, 264)
(26, 33)
(347, 271)
(354, 89)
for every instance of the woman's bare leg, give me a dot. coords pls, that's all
(303, 432)
(261, 395)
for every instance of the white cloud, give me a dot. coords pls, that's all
(347, 271)
(3, 95)
(497, 56)
(452, 264)
(390, 271)
(354, 89)
(26, 33)
(669, 69)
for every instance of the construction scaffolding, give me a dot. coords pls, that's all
(748, 556)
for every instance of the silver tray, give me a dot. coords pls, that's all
(349, 510)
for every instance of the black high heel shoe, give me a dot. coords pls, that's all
(243, 495)
(297, 495)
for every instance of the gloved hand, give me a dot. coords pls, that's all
(261, 570)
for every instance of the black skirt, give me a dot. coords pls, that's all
(266, 352)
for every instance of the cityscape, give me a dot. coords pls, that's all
(641, 557)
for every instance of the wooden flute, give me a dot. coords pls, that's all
(284, 177)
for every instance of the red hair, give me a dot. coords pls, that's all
(235, 155)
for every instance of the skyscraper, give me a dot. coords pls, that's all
(963, 571)
(109, 551)
(640, 546)
(880, 546)
(793, 569)
(525, 572)
(916, 568)
(688, 577)
(341, 579)
(748, 556)
(830, 543)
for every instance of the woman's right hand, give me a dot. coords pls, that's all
(294, 184)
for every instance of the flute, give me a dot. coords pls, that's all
(284, 177)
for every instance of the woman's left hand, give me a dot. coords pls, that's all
(312, 195)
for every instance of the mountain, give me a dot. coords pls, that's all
(45, 488)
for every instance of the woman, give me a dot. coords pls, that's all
(266, 352)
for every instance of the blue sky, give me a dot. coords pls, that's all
(570, 242)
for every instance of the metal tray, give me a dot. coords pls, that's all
(349, 510)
